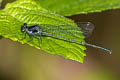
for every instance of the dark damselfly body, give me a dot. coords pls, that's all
(36, 30)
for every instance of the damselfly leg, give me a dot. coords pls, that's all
(39, 40)
(30, 38)
(24, 36)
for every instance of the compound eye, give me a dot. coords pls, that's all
(22, 29)
(25, 24)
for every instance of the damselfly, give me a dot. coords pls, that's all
(60, 32)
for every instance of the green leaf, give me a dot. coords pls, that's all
(72, 7)
(27, 11)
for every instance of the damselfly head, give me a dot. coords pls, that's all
(24, 27)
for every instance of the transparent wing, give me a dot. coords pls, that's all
(68, 31)
(86, 27)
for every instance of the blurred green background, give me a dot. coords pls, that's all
(22, 62)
